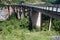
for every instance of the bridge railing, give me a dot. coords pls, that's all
(53, 8)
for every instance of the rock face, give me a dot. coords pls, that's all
(56, 37)
(4, 14)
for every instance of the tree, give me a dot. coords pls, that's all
(56, 2)
(49, 1)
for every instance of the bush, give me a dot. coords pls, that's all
(56, 25)
(13, 24)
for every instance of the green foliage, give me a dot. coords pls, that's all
(49, 1)
(31, 1)
(56, 25)
(22, 1)
(16, 1)
(2, 5)
(23, 35)
(14, 29)
(45, 27)
(52, 1)
(12, 23)
(24, 23)
(56, 2)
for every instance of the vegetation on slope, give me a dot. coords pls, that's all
(22, 1)
(30, 1)
(14, 29)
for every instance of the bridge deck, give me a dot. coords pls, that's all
(52, 10)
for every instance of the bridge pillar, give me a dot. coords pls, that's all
(15, 9)
(50, 23)
(36, 18)
(18, 13)
(39, 21)
(22, 14)
(10, 10)
(30, 19)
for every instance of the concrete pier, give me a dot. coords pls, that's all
(50, 23)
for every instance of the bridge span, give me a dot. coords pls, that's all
(34, 12)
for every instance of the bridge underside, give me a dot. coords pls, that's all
(34, 13)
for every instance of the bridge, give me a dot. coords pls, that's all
(34, 12)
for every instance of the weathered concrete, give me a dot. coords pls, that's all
(22, 14)
(4, 14)
(10, 10)
(36, 19)
(18, 14)
(50, 23)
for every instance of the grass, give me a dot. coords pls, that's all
(13, 29)
(24, 34)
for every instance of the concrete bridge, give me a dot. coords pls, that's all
(34, 12)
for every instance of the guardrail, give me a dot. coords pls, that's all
(54, 8)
